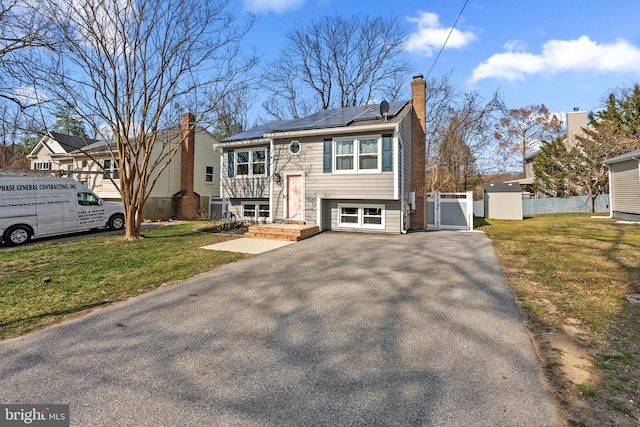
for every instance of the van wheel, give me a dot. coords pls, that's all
(116, 222)
(17, 235)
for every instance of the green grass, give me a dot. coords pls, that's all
(576, 270)
(89, 273)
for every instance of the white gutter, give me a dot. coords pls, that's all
(333, 130)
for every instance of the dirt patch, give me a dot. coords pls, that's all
(592, 382)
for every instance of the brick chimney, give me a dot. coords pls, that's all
(418, 219)
(189, 202)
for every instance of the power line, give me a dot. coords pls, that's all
(447, 39)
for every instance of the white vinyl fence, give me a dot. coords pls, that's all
(450, 211)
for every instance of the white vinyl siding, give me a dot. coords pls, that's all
(625, 187)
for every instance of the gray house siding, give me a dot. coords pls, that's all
(392, 214)
(625, 189)
(320, 184)
(242, 187)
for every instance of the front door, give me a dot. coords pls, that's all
(295, 197)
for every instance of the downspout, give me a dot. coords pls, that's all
(403, 215)
(271, 169)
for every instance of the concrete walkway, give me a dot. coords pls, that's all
(340, 329)
(248, 245)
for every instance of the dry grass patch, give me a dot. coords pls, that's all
(574, 278)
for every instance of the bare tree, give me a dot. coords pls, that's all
(461, 141)
(21, 29)
(130, 69)
(336, 62)
(520, 130)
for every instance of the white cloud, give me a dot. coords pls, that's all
(277, 6)
(430, 35)
(30, 95)
(559, 56)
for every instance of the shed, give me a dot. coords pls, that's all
(624, 186)
(503, 201)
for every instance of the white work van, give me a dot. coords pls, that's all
(41, 206)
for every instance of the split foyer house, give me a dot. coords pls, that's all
(624, 186)
(182, 189)
(350, 169)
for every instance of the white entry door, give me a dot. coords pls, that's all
(295, 197)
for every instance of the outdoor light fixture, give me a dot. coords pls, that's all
(277, 178)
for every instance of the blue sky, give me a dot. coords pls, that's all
(563, 54)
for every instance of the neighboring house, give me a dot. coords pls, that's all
(576, 123)
(193, 173)
(51, 153)
(624, 186)
(348, 169)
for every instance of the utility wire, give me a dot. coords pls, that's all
(447, 39)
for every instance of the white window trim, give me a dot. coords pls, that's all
(112, 168)
(257, 216)
(42, 165)
(361, 223)
(250, 163)
(213, 175)
(356, 155)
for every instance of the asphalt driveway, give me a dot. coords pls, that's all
(340, 329)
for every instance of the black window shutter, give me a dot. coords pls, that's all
(231, 163)
(387, 153)
(268, 161)
(327, 154)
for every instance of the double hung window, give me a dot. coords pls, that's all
(358, 155)
(208, 174)
(110, 169)
(251, 162)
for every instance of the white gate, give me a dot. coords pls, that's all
(450, 211)
(217, 206)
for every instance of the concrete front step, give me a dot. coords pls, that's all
(288, 232)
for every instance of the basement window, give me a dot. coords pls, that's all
(361, 216)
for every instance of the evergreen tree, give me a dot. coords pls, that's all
(66, 123)
(550, 172)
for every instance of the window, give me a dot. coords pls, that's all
(344, 155)
(361, 216)
(358, 155)
(208, 174)
(110, 169)
(42, 166)
(251, 162)
(295, 147)
(88, 199)
(252, 211)
(368, 152)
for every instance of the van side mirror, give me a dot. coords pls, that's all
(99, 202)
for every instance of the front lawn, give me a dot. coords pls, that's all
(577, 280)
(92, 272)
